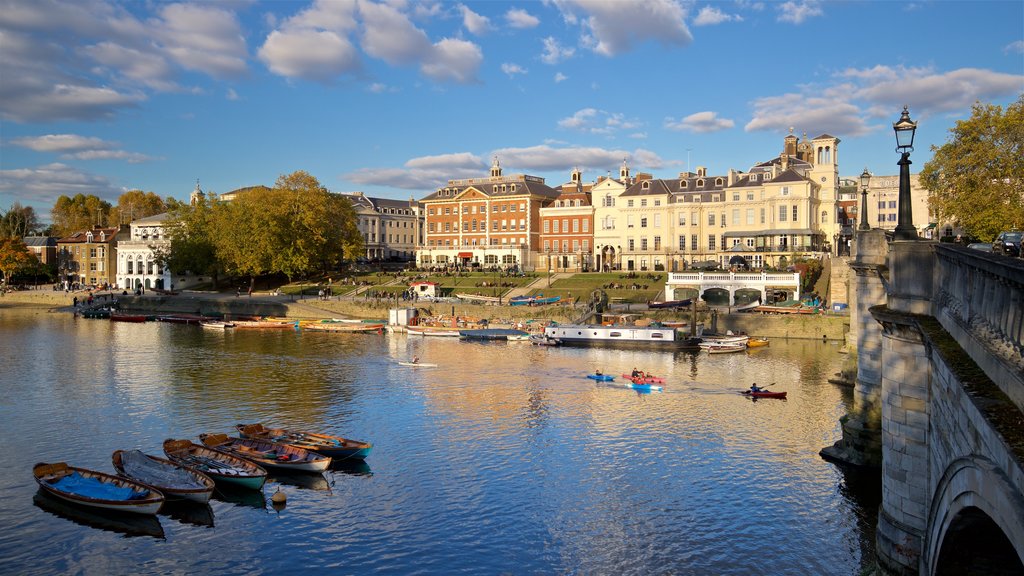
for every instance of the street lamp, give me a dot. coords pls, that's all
(905, 129)
(865, 179)
(549, 266)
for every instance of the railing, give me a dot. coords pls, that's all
(736, 278)
(979, 299)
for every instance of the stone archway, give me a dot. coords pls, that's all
(975, 515)
(607, 258)
(716, 297)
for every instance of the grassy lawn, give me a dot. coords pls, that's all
(581, 286)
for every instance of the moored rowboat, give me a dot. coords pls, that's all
(173, 480)
(268, 454)
(220, 467)
(336, 447)
(97, 489)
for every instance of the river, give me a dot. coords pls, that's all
(504, 459)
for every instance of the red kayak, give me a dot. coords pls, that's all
(645, 379)
(764, 394)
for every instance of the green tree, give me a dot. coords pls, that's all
(977, 177)
(190, 228)
(14, 257)
(135, 204)
(77, 213)
(19, 221)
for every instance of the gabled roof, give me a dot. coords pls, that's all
(82, 236)
(826, 136)
(150, 220)
(653, 188)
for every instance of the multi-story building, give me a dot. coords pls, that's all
(137, 265)
(89, 257)
(44, 248)
(567, 227)
(608, 239)
(883, 203)
(391, 229)
(493, 221)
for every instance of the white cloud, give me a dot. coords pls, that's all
(475, 23)
(62, 143)
(232, 95)
(547, 158)
(594, 121)
(130, 157)
(554, 52)
(1014, 47)
(203, 38)
(831, 115)
(41, 186)
(319, 55)
(700, 123)
(148, 68)
(614, 27)
(456, 161)
(798, 12)
(453, 60)
(559, 77)
(512, 69)
(422, 173)
(518, 18)
(710, 15)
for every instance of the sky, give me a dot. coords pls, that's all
(394, 98)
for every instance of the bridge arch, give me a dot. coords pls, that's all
(976, 515)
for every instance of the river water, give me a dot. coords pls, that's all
(503, 460)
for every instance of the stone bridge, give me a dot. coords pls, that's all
(733, 282)
(939, 404)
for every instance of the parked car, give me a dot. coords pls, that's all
(984, 246)
(1008, 243)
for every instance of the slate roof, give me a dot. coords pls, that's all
(80, 237)
(493, 189)
(43, 241)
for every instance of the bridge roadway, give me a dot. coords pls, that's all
(940, 394)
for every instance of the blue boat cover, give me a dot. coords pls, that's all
(75, 483)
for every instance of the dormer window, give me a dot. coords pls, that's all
(682, 184)
(753, 177)
(88, 237)
(719, 182)
(700, 183)
(646, 185)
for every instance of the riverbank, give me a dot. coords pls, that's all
(816, 327)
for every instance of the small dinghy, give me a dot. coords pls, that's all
(336, 447)
(97, 489)
(220, 467)
(267, 454)
(601, 377)
(174, 481)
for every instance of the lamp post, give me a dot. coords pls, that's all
(865, 179)
(549, 266)
(905, 128)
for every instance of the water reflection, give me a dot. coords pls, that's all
(189, 512)
(303, 481)
(130, 525)
(506, 453)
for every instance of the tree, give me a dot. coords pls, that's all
(14, 256)
(189, 227)
(977, 177)
(19, 221)
(135, 204)
(81, 212)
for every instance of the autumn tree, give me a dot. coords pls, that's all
(19, 221)
(14, 256)
(135, 204)
(80, 212)
(977, 177)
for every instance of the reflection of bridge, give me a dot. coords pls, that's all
(733, 282)
(939, 404)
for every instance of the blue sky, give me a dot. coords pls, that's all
(393, 98)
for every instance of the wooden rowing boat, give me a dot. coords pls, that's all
(175, 481)
(97, 489)
(723, 348)
(336, 447)
(268, 454)
(347, 327)
(757, 342)
(222, 468)
(263, 324)
(130, 525)
(216, 324)
(433, 331)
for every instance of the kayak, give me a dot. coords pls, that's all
(763, 394)
(601, 377)
(418, 364)
(644, 387)
(646, 379)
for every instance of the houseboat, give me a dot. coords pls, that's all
(625, 336)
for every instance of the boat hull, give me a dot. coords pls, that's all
(200, 495)
(618, 336)
(202, 459)
(293, 458)
(763, 394)
(336, 447)
(601, 377)
(47, 475)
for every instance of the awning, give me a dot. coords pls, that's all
(465, 254)
(930, 226)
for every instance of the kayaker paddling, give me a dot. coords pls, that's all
(754, 388)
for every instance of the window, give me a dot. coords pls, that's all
(782, 213)
(682, 184)
(682, 219)
(719, 182)
(465, 228)
(432, 227)
(693, 241)
(631, 244)
(575, 245)
(629, 221)
(522, 223)
(643, 222)
(693, 218)
(447, 227)
(586, 245)
(547, 245)
(711, 219)
(657, 220)
(629, 203)
(711, 242)
(657, 243)
(794, 213)
(736, 197)
(785, 191)
(504, 207)
(892, 204)
(494, 208)
(448, 210)
(682, 242)
(723, 219)
(474, 225)
(643, 202)
(565, 226)
(575, 225)
(494, 225)
(547, 226)
(565, 245)
(700, 183)
(657, 202)
(750, 215)
(430, 211)
(554, 226)
(762, 215)
(586, 225)
(643, 243)
(608, 200)
(750, 195)
(735, 216)
(512, 208)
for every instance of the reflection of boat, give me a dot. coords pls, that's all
(670, 304)
(267, 454)
(305, 481)
(189, 512)
(97, 489)
(130, 525)
(643, 387)
(222, 468)
(122, 317)
(101, 313)
(174, 481)
(351, 467)
(181, 318)
(336, 447)
(763, 394)
(241, 497)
